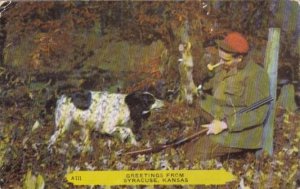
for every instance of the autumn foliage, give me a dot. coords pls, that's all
(54, 26)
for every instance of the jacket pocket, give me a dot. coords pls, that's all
(235, 89)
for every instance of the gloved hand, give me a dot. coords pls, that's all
(215, 127)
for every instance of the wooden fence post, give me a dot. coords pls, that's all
(271, 65)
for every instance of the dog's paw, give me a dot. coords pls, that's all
(50, 149)
(134, 142)
(87, 149)
(138, 137)
(137, 144)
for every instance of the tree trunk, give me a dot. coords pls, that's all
(271, 65)
(2, 39)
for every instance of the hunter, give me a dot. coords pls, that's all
(237, 83)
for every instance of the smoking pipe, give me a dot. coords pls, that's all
(211, 67)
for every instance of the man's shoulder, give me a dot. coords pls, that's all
(257, 72)
(254, 68)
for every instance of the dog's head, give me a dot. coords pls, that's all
(141, 103)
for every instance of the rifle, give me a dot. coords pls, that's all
(208, 117)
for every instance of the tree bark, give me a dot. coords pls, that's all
(271, 65)
(2, 39)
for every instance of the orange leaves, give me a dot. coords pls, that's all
(151, 67)
(35, 59)
(85, 16)
(50, 46)
(46, 44)
(149, 71)
(176, 113)
(146, 19)
(51, 25)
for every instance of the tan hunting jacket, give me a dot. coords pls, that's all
(233, 90)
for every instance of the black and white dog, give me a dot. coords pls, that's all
(107, 113)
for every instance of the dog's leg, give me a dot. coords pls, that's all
(53, 139)
(63, 121)
(62, 129)
(110, 127)
(86, 140)
(125, 133)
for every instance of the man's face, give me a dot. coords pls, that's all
(228, 60)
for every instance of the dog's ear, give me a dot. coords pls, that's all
(135, 112)
(136, 126)
(133, 99)
(136, 116)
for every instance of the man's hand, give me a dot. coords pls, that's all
(215, 127)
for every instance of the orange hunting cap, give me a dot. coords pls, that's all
(234, 43)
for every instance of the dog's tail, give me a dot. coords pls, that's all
(53, 95)
(50, 104)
